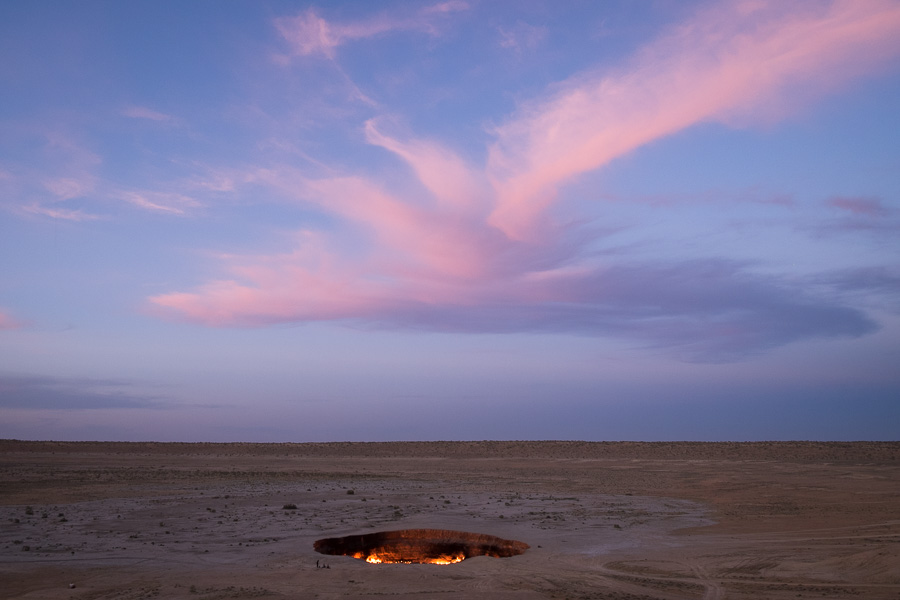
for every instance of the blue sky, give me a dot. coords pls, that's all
(280, 221)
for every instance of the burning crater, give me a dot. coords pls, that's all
(434, 546)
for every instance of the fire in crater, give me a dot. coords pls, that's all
(417, 546)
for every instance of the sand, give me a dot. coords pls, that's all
(603, 520)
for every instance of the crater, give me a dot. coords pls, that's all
(431, 546)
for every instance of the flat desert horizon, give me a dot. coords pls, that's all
(607, 520)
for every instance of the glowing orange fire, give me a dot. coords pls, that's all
(444, 559)
(419, 546)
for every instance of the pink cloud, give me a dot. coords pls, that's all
(738, 62)
(7, 322)
(66, 188)
(64, 170)
(445, 7)
(436, 241)
(309, 34)
(142, 112)
(163, 202)
(870, 207)
(454, 183)
(69, 151)
(65, 214)
(521, 36)
(471, 247)
(311, 283)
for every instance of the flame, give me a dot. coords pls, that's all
(444, 559)
(448, 559)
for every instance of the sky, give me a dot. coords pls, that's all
(277, 221)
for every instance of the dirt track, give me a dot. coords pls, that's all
(604, 520)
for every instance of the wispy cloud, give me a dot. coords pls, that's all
(521, 36)
(46, 181)
(64, 214)
(310, 34)
(57, 393)
(7, 321)
(143, 112)
(60, 175)
(481, 250)
(869, 207)
(67, 188)
(737, 62)
(162, 202)
(855, 214)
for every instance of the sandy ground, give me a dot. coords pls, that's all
(604, 520)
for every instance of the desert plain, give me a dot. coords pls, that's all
(616, 520)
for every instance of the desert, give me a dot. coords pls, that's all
(613, 520)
